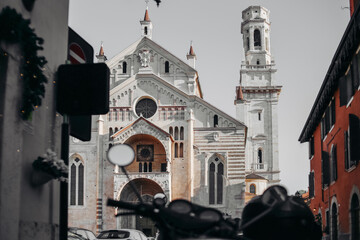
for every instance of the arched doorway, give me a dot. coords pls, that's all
(147, 189)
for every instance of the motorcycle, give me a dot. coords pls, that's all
(273, 215)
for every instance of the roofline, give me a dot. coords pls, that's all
(341, 60)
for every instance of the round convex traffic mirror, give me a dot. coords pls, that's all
(121, 154)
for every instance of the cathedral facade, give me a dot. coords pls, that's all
(184, 147)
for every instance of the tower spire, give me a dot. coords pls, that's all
(191, 56)
(146, 25)
(101, 56)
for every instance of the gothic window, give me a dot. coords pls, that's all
(140, 167)
(181, 150)
(145, 167)
(124, 67)
(109, 115)
(334, 222)
(115, 114)
(116, 130)
(176, 133)
(260, 156)
(216, 181)
(167, 67)
(76, 182)
(216, 120)
(181, 133)
(257, 38)
(220, 174)
(111, 132)
(212, 183)
(253, 188)
(150, 167)
(176, 150)
(171, 131)
(355, 216)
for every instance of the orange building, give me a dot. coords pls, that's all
(333, 132)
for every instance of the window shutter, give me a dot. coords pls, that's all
(354, 135)
(333, 116)
(343, 97)
(334, 164)
(326, 168)
(346, 149)
(311, 185)
(355, 75)
(311, 147)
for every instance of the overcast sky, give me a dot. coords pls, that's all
(304, 38)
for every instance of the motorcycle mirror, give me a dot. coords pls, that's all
(160, 199)
(121, 154)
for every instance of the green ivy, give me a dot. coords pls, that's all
(15, 29)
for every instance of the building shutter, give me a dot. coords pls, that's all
(311, 147)
(325, 168)
(334, 164)
(354, 74)
(343, 97)
(311, 185)
(354, 135)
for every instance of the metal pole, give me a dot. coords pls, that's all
(65, 131)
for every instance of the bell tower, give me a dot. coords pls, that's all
(257, 96)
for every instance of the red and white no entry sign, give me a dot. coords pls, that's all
(76, 53)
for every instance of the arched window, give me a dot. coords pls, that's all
(124, 67)
(140, 167)
(259, 116)
(176, 150)
(253, 188)
(81, 184)
(150, 167)
(109, 114)
(181, 150)
(354, 214)
(257, 38)
(115, 114)
(171, 131)
(116, 130)
(145, 31)
(212, 183)
(111, 132)
(181, 133)
(216, 181)
(257, 62)
(73, 184)
(176, 133)
(247, 44)
(260, 156)
(76, 182)
(334, 222)
(220, 173)
(167, 67)
(216, 120)
(145, 167)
